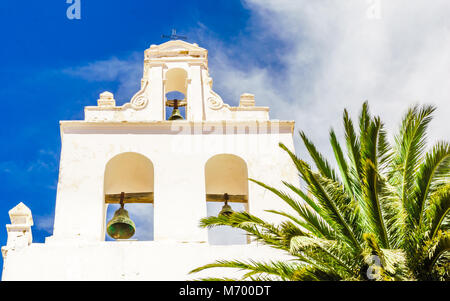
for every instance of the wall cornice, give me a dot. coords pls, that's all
(179, 127)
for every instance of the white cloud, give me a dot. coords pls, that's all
(127, 72)
(332, 56)
(44, 223)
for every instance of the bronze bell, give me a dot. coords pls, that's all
(176, 115)
(121, 226)
(175, 103)
(226, 209)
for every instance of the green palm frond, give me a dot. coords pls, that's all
(303, 196)
(257, 228)
(394, 214)
(343, 165)
(345, 209)
(253, 268)
(364, 119)
(375, 153)
(436, 248)
(325, 195)
(289, 230)
(438, 210)
(409, 152)
(321, 163)
(433, 173)
(304, 226)
(353, 148)
(395, 264)
(373, 249)
(328, 209)
(313, 273)
(446, 223)
(372, 208)
(330, 253)
(316, 223)
(216, 279)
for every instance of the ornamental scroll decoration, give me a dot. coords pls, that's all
(140, 100)
(215, 102)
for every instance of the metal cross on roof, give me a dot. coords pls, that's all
(174, 36)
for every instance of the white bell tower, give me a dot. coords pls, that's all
(176, 66)
(177, 166)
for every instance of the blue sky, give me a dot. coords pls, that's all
(306, 59)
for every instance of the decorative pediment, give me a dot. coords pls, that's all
(175, 48)
(175, 66)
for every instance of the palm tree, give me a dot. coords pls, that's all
(383, 216)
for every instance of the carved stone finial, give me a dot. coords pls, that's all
(19, 231)
(247, 100)
(21, 215)
(106, 100)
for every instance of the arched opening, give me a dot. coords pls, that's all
(226, 174)
(131, 174)
(176, 83)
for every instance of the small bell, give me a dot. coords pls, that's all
(175, 103)
(121, 226)
(176, 115)
(226, 209)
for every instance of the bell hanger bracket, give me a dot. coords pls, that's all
(234, 198)
(132, 197)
